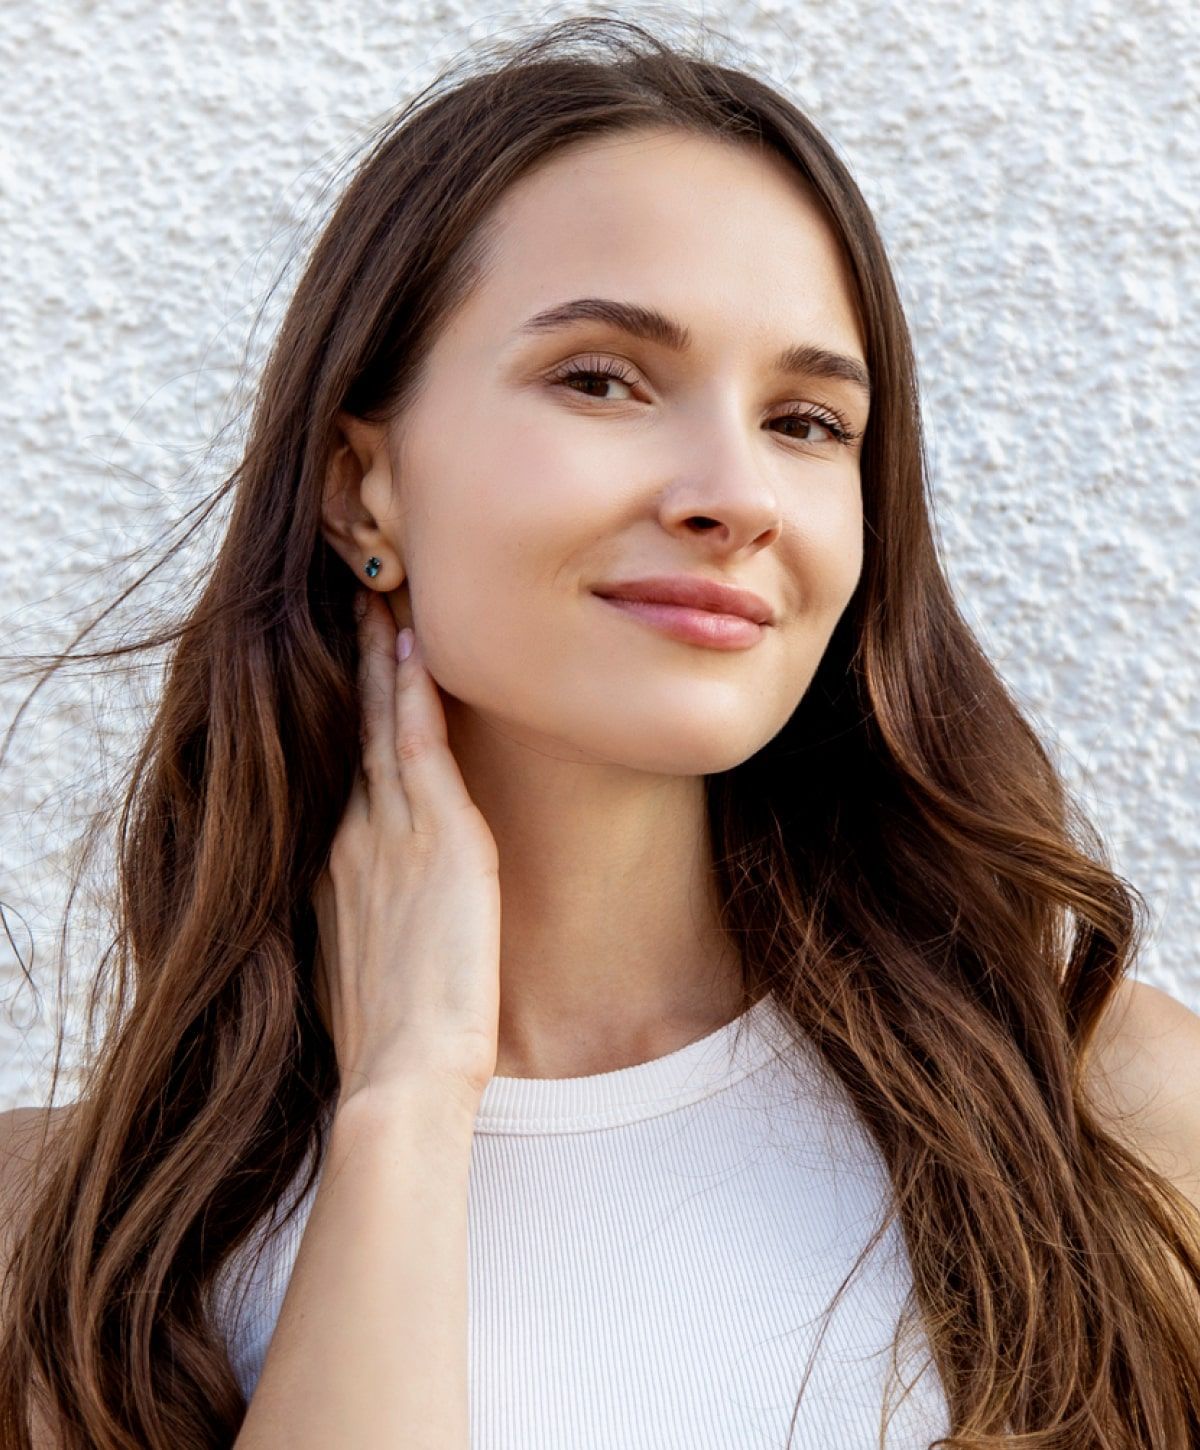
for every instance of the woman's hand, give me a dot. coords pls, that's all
(408, 910)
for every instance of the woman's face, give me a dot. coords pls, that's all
(517, 494)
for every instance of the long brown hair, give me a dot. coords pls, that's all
(901, 864)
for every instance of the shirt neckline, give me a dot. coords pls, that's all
(542, 1105)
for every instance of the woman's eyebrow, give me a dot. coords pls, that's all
(651, 325)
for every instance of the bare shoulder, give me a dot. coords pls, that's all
(23, 1130)
(23, 1133)
(1144, 1078)
(18, 1126)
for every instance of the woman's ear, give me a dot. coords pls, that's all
(358, 473)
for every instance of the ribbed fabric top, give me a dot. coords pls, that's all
(629, 1094)
(651, 1255)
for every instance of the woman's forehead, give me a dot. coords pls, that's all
(721, 238)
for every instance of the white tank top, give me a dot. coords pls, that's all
(651, 1252)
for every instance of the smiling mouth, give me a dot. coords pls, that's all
(690, 625)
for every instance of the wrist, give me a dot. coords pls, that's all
(445, 1106)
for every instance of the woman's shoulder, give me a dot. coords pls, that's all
(23, 1131)
(23, 1134)
(1143, 1076)
(19, 1128)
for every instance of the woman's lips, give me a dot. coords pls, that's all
(693, 626)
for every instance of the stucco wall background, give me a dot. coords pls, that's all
(1034, 169)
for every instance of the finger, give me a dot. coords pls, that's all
(429, 773)
(376, 691)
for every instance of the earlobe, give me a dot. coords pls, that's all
(347, 520)
(358, 486)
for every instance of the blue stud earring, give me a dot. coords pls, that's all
(373, 566)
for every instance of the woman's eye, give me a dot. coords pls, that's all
(811, 421)
(598, 377)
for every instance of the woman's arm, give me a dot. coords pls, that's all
(370, 1349)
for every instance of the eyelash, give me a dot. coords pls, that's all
(827, 417)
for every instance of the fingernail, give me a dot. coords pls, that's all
(404, 643)
(361, 599)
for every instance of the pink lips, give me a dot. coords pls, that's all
(694, 591)
(693, 626)
(691, 608)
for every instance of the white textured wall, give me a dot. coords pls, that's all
(1034, 168)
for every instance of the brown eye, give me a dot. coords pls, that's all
(599, 371)
(596, 370)
(835, 427)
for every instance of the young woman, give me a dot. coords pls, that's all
(580, 560)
